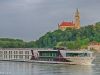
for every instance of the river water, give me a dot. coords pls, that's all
(24, 68)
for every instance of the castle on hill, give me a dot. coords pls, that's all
(74, 24)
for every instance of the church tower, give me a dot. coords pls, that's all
(77, 19)
(70, 24)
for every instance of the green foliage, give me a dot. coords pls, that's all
(15, 43)
(71, 38)
(30, 44)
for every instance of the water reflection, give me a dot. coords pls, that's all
(22, 68)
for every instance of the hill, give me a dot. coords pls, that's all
(71, 38)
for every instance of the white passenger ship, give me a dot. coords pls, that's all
(46, 56)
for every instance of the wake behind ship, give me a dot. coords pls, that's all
(47, 56)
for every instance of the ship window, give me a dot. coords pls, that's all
(9, 52)
(26, 52)
(44, 54)
(48, 54)
(16, 52)
(0, 55)
(0, 52)
(20, 56)
(20, 52)
(54, 54)
(6, 56)
(10, 56)
(5, 52)
(14, 56)
(27, 57)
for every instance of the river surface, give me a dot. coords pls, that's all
(24, 68)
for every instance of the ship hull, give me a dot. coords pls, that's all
(72, 61)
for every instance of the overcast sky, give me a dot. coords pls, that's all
(30, 19)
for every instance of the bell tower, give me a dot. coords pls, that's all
(77, 19)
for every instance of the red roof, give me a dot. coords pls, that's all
(67, 24)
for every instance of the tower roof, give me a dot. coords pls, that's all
(77, 12)
(66, 23)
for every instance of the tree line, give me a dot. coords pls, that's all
(15, 43)
(70, 38)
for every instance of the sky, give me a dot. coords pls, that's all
(30, 19)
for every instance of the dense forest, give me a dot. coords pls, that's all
(15, 43)
(70, 38)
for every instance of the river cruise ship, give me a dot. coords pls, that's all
(47, 56)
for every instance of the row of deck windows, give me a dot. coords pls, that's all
(15, 56)
(77, 54)
(48, 54)
(14, 52)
